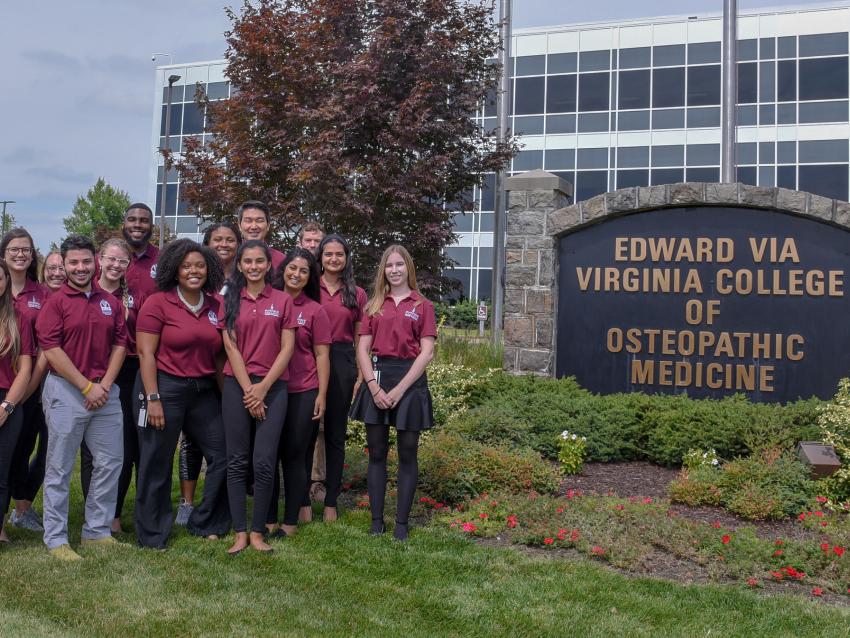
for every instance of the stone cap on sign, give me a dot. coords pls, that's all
(538, 180)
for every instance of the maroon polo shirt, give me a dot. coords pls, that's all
(30, 301)
(396, 331)
(141, 273)
(7, 374)
(86, 327)
(314, 328)
(188, 345)
(132, 314)
(258, 328)
(342, 319)
(277, 259)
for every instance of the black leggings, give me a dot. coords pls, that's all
(299, 431)
(9, 434)
(238, 424)
(340, 389)
(377, 438)
(25, 475)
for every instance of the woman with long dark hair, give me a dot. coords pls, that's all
(396, 345)
(259, 336)
(344, 303)
(17, 348)
(178, 336)
(28, 296)
(309, 370)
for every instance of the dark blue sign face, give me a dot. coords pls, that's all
(708, 302)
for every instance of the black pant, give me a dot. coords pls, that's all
(194, 406)
(9, 434)
(340, 390)
(299, 435)
(26, 476)
(125, 381)
(238, 424)
(377, 438)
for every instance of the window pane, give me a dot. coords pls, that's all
(561, 94)
(485, 281)
(590, 184)
(528, 125)
(823, 79)
(187, 224)
(703, 154)
(767, 153)
(461, 255)
(633, 92)
(218, 90)
(703, 174)
(673, 155)
(747, 83)
(786, 177)
(787, 81)
(562, 63)
(531, 65)
(811, 112)
(594, 61)
(787, 152)
(674, 118)
(633, 121)
(703, 52)
(704, 117)
(560, 158)
(528, 95)
(460, 276)
(747, 175)
(704, 85)
(767, 82)
(176, 116)
(767, 48)
(812, 152)
(823, 44)
(745, 153)
(490, 103)
(766, 176)
(748, 115)
(592, 158)
(560, 124)
(828, 180)
(668, 55)
(485, 222)
(627, 179)
(767, 114)
(667, 176)
(485, 256)
(786, 114)
(635, 58)
(462, 222)
(193, 118)
(528, 160)
(592, 122)
(788, 47)
(632, 156)
(747, 49)
(488, 192)
(593, 92)
(668, 87)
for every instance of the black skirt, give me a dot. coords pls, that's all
(413, 413)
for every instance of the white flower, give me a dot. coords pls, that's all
(574, 437)
(714, 462)
(565, 435)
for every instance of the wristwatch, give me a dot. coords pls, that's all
(153, 397)
(8, 406)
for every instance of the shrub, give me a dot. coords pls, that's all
(696, 487)
(452, 468)
(834, 425)
(462, 314)
(571, 451)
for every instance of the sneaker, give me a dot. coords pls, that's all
(103, 541)
(32, 515)
(184, 511)
(26, 521)
(65, 553)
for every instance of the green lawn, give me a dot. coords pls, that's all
(336, 580)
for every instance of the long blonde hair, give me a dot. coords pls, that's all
(381, 287)
(123, 245)
(10, 336)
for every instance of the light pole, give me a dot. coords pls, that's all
(6, 219)
(166, 158)
(729, 99)
(503, 100)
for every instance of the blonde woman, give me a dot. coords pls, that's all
(396, 345)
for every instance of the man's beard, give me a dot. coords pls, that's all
(136, 244)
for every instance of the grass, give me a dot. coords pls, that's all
(456, 348)
(335, 580)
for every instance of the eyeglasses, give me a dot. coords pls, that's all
(26, 252)
(55, 269)
(115, 261)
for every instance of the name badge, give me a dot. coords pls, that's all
(411, 314)
(105, 308)
(271, 311)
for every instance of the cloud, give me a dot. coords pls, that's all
(20, 155)
(53, 59)
(111, 99)
(58, 173)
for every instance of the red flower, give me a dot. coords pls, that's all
(716, 525)
(548, 540)
(778, 552)
(801, 516)
(726, 538)
(778, 542)
(597, 551)
(824, 547)
(777, 575)
(574, 536)
(824, 523)
(817, 591)
(483, 516)
(345, 466)
(619, 507)
(512, 521)
(647, 500)
(469, 527)
(562, 534)
(752, 582)
(821, 499)
(819, 514)
(493, 503)
(424, 499)
(838, 550)
(560, 510)
(439, 506)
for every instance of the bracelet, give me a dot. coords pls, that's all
(88, 388)
(368, 381)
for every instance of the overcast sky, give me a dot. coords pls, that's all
(78, 85)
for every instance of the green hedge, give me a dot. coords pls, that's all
(530, 412)
(462, 314)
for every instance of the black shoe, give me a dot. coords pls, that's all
(278, 533)
(400, 531)
(378, 527)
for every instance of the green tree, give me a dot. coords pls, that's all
(102, 207)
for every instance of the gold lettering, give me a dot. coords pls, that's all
(692, 281)
(745, 377)
(583, 275)
(725, 250)
(633, 337)
(722, 287)
(685, 252)
(638, 248)
(703, 252)
(789, 251)
(643, 372)
(711, 372)
(661, 248)
(615, 340)
(758, 249)
(620, 248)
(665, 372)
(683, 373)
(791, 348)
(766, 378)
(836, 281)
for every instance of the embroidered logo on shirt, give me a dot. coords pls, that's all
(271, 311)
(412, 315)
(153, 271)
(301, 320)
(105, 308)
(129, 301)
(34, 303)
(212, 317)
